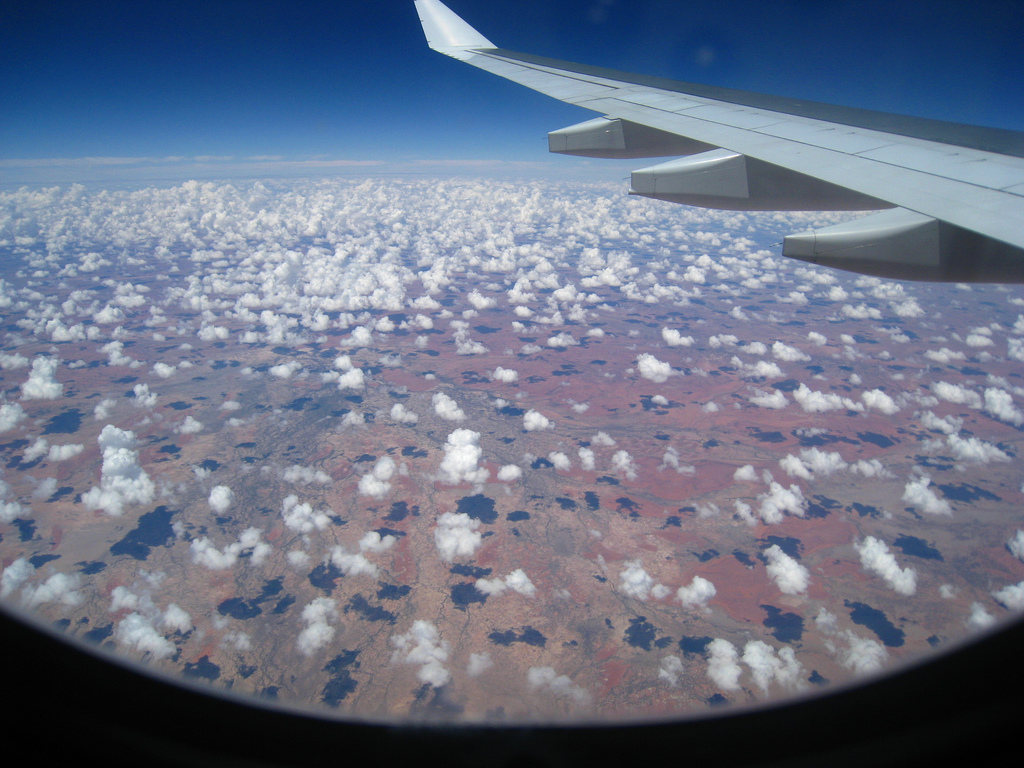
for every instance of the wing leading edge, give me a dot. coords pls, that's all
(954, 193)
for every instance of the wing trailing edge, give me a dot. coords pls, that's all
(955, 193)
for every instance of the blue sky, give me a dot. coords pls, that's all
(355, 81)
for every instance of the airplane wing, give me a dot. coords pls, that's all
(950, 196)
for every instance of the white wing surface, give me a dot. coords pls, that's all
(955, 192)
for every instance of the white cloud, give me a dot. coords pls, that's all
(221, 498)
(653, 369)
(534, 421)
(788, 354)
(41, 384)
(697, 594)
(422, 645)
(375, 483)
(875, 557)
(674, 338)
(918, 494)
(776, 400)
(505, 375)
(546, 679)
(447, 408)
(880, 401)
(456, 535)
(723, 665)
(789, 576)
(302, 517)
(779, 500)
(189, 426)
(403, 415)
(766, 667)
(635, 582)
(517, 581)
(122, 480)
(318, 632)
(462, 454)
(10, 415)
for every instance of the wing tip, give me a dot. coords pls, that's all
(446, 32)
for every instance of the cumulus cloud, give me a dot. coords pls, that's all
(878, 400)
(375, 482)
(137, 632)
(788, 354)
(457, 535)
(635, 582)
(534, 421)
(122, 480)
(821, 402)
(41, 384)
(789, 576)
(221, 498)
(318, 631)
(653, 369)
(674, 338)
(697, 593)
(546, 679)
(517, 581)
(447, 408)
(876, 558)
(422, 645)
(776, 400)
(509, 473)
(860, 654)
(779, 500)
(767, 667)
(462, 454)
(622, 463)
(10, 415)
(723, 665)
(205, 552)
(505, 375)
(302, 517)
(403, 415)
(919, 495)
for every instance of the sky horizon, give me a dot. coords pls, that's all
(126, 91)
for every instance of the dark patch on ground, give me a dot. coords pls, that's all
(91, 568)
(99, 634)
(640, 633)
(393, 591)
(607, 480)
(876, 621)
(744, 558)
(966, 492)
(694, 645)
(479, 507)
(766, 437)
(64, 423)
(341, 683)
(529, 635)
(707, 554)
(791, 546)
(865, 510)
(911, 545)
(876, 439)
(785, 627)
(465, 593)
(369, 612)
(470, 571)
(541, 463)
(152, 530)
(565, 503)
(237, 608)
(179, 405)
(203, 669)
(324, 576)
